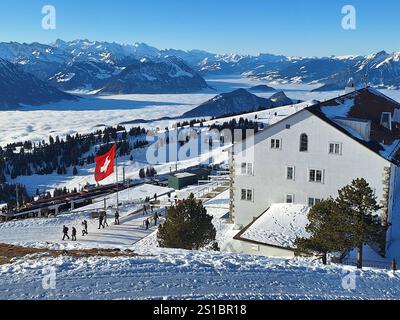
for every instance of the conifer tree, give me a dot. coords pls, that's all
(329, 231)
(142, 173)
(358, 202)
(188, 226)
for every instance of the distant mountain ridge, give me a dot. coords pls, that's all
(170, 75)
(21, 88)
(106, 67)
(237, 101)
(60, 60)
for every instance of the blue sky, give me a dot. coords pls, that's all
(291, 27)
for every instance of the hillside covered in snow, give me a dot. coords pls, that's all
(149, 272)
(21, 88)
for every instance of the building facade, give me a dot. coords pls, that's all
(312, 154)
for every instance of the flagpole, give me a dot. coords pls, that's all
(116, 172)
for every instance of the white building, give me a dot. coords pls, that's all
(309, 156)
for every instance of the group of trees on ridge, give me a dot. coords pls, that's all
(57, 155)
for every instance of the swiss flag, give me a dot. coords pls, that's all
(104, 165)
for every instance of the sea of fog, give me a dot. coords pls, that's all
(92, 112)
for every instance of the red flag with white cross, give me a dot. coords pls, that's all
(105, 165)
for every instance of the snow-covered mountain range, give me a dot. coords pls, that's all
(168, 75)
(140, 68)
(110, 68)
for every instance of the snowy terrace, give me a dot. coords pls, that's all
(47, 232)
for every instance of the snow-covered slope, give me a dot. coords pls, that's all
(380, 70)
(237, 101)
(18, 87)
(90, 75)
(211, 275)
(168, 75)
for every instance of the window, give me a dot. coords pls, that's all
(250, 169)
(290, 173)
(244, 194)
(244, 167)
(303, 143)
(315, 175)
(334, 148)
(289, 198)
(313, 201)
(247, 195)
(275, 143)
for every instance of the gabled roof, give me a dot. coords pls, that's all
(364, 105)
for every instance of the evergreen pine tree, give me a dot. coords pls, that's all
(358, 202)
(328, 229)
(188, 226)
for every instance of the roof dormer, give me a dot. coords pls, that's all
(386, 120)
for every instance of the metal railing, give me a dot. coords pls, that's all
(387, 265)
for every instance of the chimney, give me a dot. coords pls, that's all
(350, 87)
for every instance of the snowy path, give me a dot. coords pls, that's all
(130, 231)
(46, 232)
(180, 274)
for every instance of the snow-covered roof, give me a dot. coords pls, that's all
(364, 105)
(279, 226)
(184, 175)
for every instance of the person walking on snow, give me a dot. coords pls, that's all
(85, 228)
(73, 234)
(101, 221)
(65, 232)
(144, 210)
(117, 217)
(147, 223)
(155, 218)
(105, 224)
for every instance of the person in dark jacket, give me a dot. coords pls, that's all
(101, 220)
(155, 218)
(73, 234)
(147, 223)
(85, 228)
(117, 217)
(65, 232)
